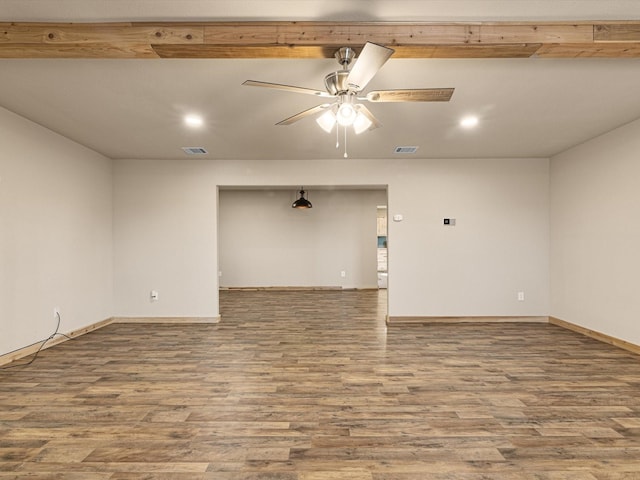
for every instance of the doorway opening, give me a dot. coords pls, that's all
(264, 244)
(381, 231)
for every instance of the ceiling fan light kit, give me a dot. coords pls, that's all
(345, 85)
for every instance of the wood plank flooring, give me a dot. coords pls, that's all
(313, 386)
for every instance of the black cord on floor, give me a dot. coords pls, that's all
(44, 342)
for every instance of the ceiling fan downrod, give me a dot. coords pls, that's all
(336, 82)
(345, 56)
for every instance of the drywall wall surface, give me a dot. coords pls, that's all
(165, 239)
(166, 230)
(263, 242)
(595, 234)
(55, 233)
(497, 248)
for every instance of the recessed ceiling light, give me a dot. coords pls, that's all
(469, 122)
(193, 121)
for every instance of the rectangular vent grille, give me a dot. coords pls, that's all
(405, 150)
(194, 150)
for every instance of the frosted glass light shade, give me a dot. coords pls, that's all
(327, 120)
(361, 123)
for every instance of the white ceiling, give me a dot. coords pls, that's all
(134, 108)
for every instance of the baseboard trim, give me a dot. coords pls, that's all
(602, 337)
(391, 320)
(181, 320)
(31, 349)
(395, 320)
(278, 289)
(58, 339)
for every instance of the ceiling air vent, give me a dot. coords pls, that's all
(194, 150)
(405, 150)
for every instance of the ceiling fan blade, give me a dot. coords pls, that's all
(413, 95)
(288, 88)
(371, 59)
(303, 114)
(367, 113)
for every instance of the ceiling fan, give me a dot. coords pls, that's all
(345, 87)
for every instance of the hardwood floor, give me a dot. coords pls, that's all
(312, 386)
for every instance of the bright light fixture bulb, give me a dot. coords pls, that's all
(346, 114)
(193, 121)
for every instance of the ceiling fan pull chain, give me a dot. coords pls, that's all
(337, 136)
(345, 143)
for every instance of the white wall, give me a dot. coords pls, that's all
(595, 234)
(263, 242)
(165, 239)
(55, 233)
(498, 247)
(165, 224)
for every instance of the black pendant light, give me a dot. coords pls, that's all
(302, 202)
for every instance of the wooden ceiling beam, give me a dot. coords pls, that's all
(318, 51)
(318, 39)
